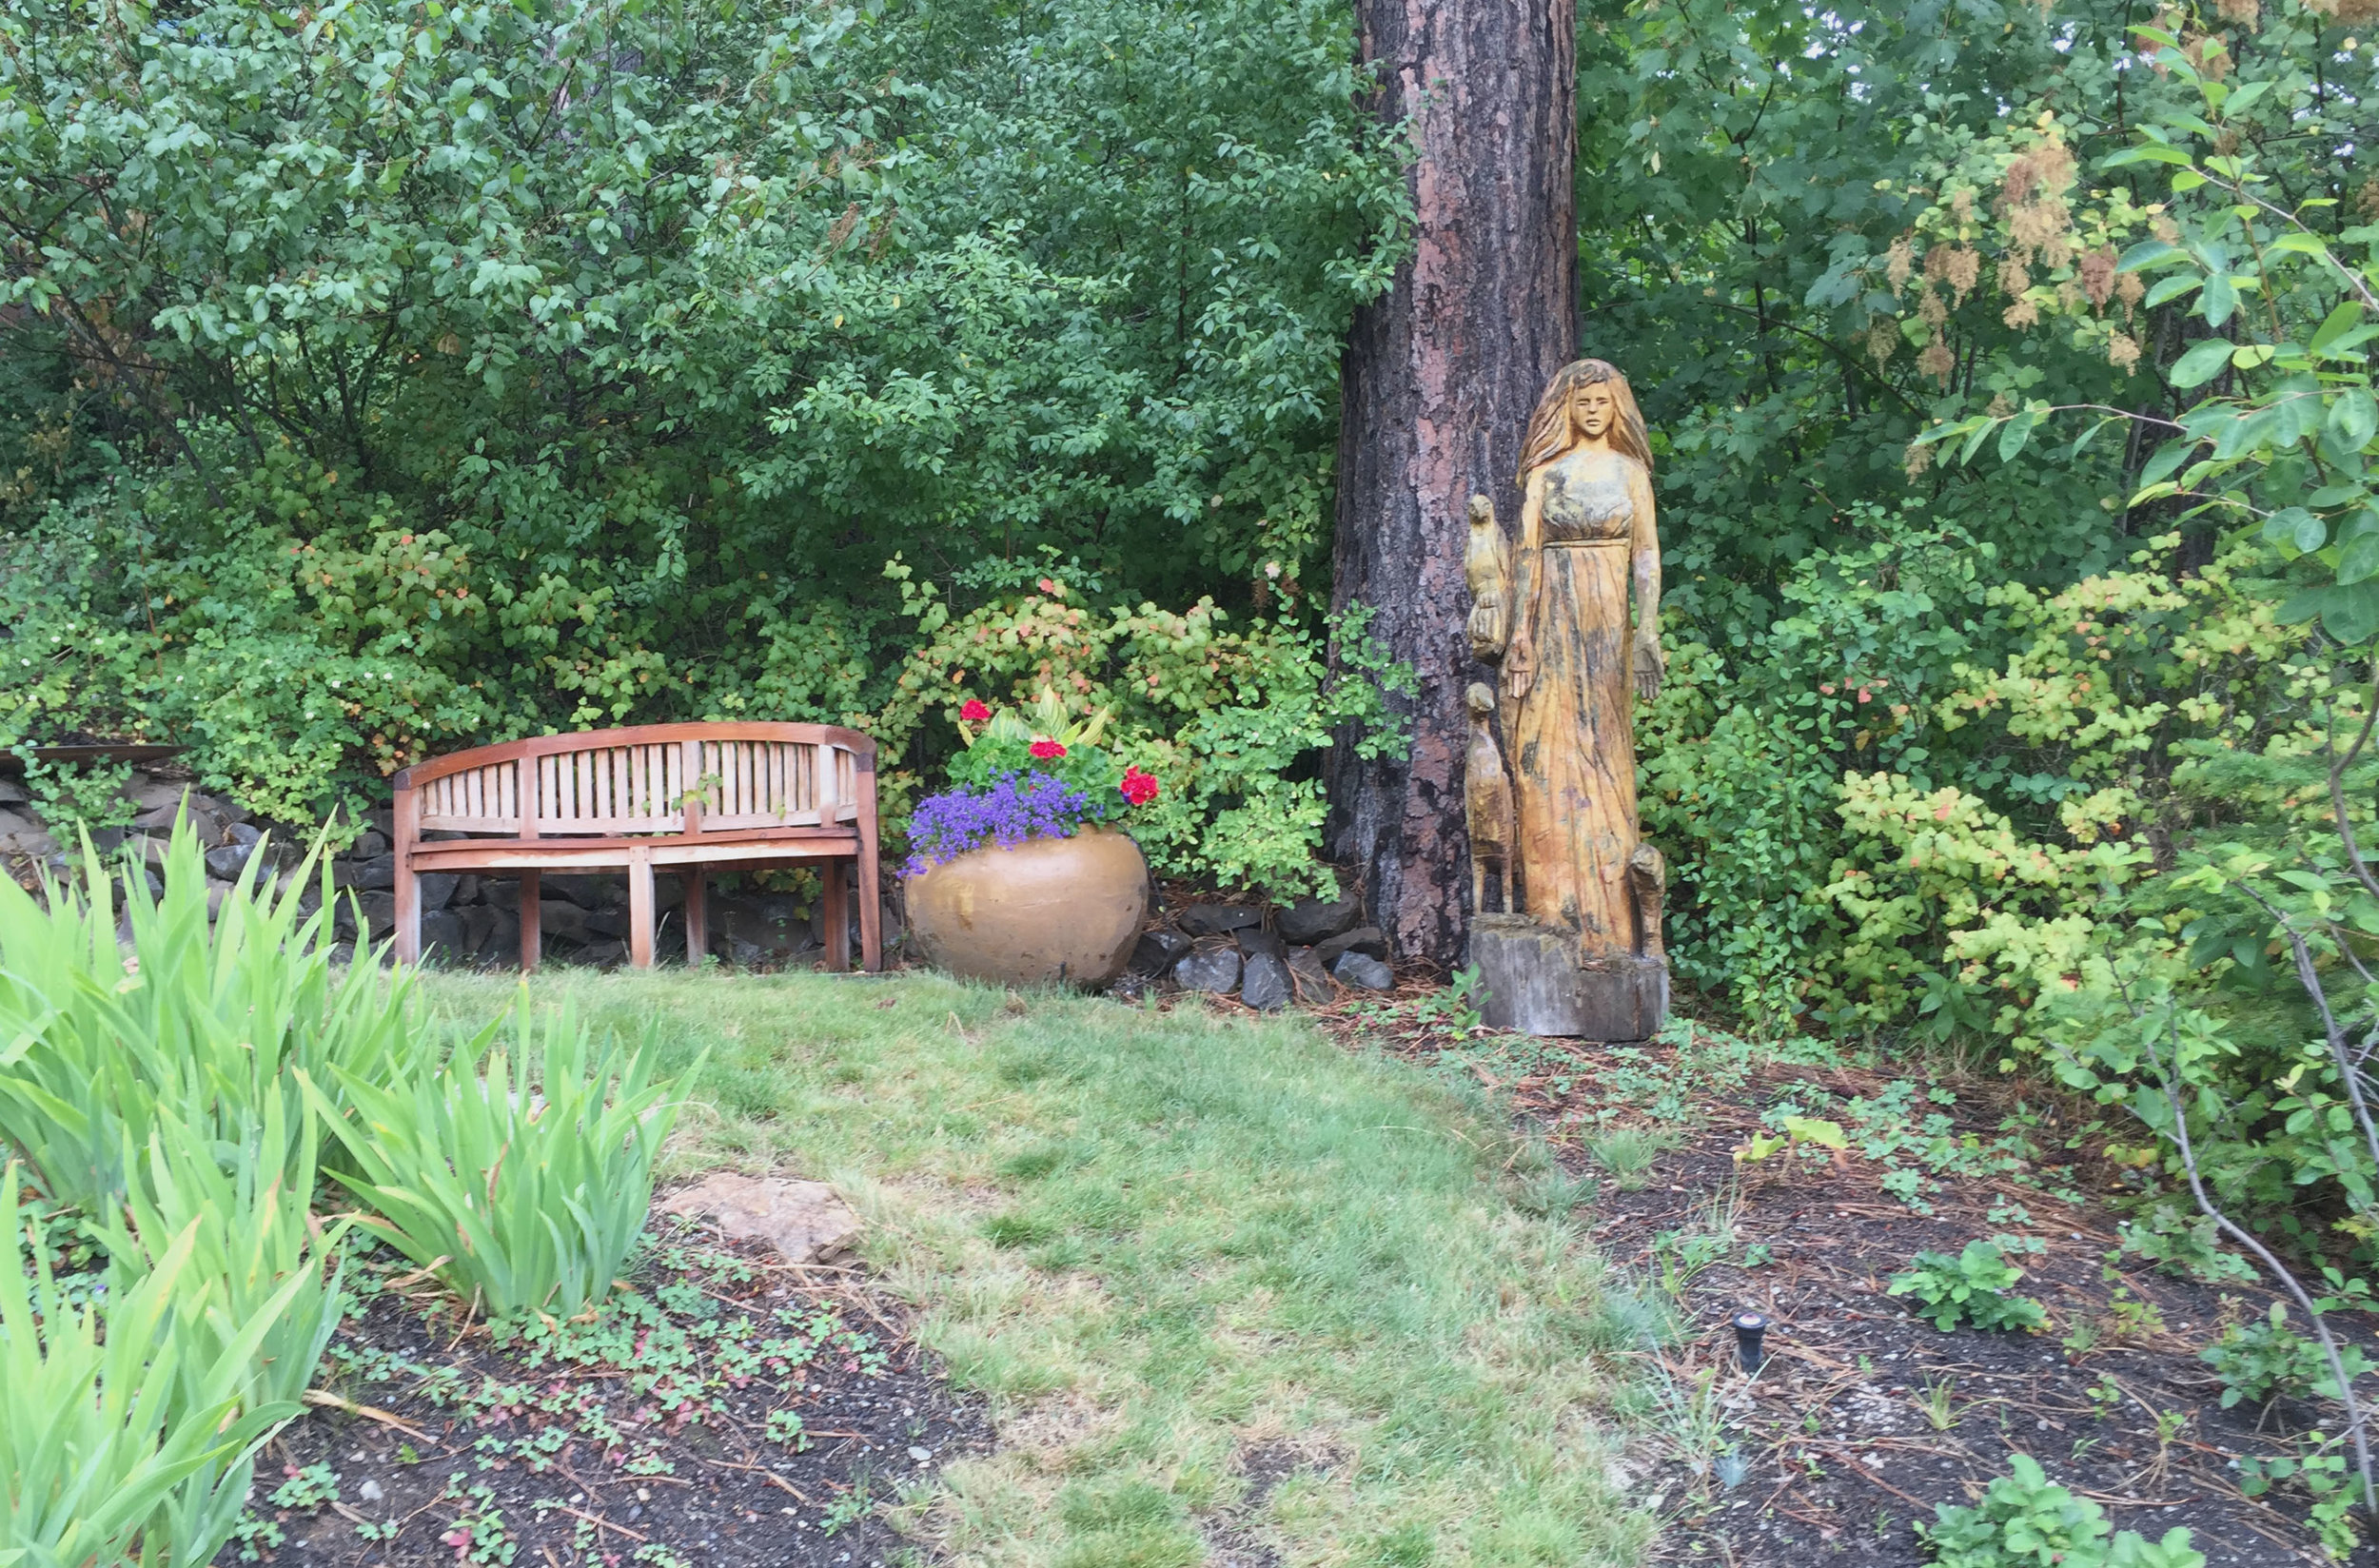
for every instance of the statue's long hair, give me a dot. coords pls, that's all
(1549, 435)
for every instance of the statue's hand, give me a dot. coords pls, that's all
(1649, 664)
(1519, 668)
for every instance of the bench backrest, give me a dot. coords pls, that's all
(661, 778)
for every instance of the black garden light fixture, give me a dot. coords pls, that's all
(1750, 1327)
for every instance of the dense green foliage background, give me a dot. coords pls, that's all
(393, 376)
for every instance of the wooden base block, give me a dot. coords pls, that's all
(1531, 981)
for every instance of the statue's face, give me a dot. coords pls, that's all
(1592, 409)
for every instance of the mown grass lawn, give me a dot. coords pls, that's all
(1171, 1249)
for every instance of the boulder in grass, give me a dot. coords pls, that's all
(1310, 920)
(1265, 983)
(1361, 970)
(805, 1221)
(1214, 969)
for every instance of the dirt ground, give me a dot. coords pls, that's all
(743, 1413)
(1865, 1416)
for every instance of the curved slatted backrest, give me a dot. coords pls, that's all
(662, 779)
(478, 800)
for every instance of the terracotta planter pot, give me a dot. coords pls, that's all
(1063, 911)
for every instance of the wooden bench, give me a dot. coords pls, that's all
(677, 797)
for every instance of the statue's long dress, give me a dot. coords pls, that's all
(1573, 735)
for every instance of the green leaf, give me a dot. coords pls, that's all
(2297, 529)
(2351, 614)
(2220, 302)
(2172, 287)
(2358, 558)
(2205, 360)
(2018, 431)
(2355, 416)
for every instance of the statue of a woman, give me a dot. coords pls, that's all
(1575, 661)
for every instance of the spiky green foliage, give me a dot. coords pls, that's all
(125, 1435)
(200, 1019)
(522, 1189)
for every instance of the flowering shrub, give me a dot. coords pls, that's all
(1024, 775)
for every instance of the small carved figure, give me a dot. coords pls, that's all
(1647, 877)
(1486, 795)
(1487, 565)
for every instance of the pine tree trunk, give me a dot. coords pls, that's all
(1440, 376)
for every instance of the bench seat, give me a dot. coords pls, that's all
(676, 799)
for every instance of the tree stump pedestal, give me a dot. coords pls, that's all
(1531, 980)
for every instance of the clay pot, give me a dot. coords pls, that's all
(1051, 911)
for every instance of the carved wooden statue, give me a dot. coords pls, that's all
(1581, 644)
(1486, 799)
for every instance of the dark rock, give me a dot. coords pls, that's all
(192, 809)
(13, 793)
(1265, 983)
(559, 920)
(1254, 940)
(343, 954)
(231, 811)
(1215, 919)
(1158, 951)
(379, 914)
(1361, 969)
(243, 833)
(149, 848)
(444, 935)
(500, 948)
(501, 892)
(466, 887)
(1214, 969)
(216, 893)
(478, 924)
(586, 892)
(604, 955)
(228, 860)
(378, 872)
(437, 890)
(1363, 939)
(1309, 920)
(1312, 979)
(369, 843)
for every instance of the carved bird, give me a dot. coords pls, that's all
(1487, 565)
(1487, 798)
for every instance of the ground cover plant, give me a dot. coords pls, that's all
(1223, 1286)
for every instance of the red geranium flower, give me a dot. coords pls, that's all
(1046, 750)
(973, 711)
(1138, 788)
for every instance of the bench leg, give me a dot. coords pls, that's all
(408, 914)
(531, 934)
(871, 910)
(641, 908)
(697, 926)
(837, 920)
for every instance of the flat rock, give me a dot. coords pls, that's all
(437, 889)
(1158, 951)
(1309, 920)
(587, 891)
(1363, 939)
(1214, 969)
(444, 936)
(1216, 919)
(1265, 983)
(1361, 969)
(377, 873)
(804, 1221)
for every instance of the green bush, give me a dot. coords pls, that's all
(520, 1177)
(1977, 1286)
(202, 1021)
(126, 1434)
(2027, 1521)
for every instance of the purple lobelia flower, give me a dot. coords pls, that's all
(1012, 809)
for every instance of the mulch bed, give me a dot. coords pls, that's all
(1841, 1445)
(735, 1411)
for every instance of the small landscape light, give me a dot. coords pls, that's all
(1749, 1329)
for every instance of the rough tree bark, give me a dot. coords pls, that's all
(1440, 376)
